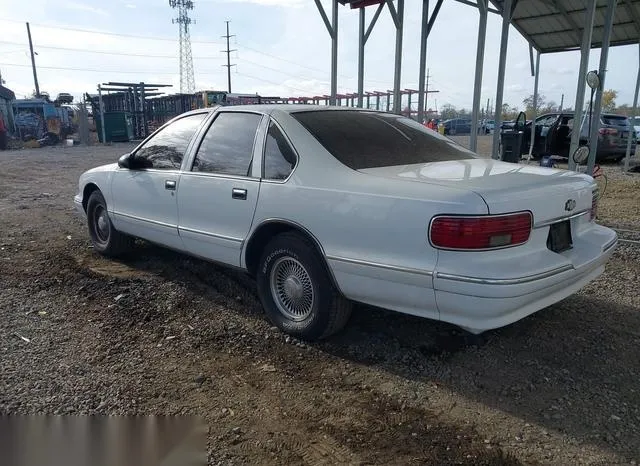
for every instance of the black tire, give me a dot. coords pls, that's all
(105, 238)
(290, 259)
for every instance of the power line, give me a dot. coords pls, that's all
(102, 52)
(63, 68)
(89, 69)
(89, 31)
(318, 70)
(116, 34)
(272, 82)
(244, 60)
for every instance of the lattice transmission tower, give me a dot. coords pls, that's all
(187, 80)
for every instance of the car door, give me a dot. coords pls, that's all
(144, 196)
(218, 191)
(543, 124)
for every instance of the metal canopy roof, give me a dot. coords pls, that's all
(557, 25)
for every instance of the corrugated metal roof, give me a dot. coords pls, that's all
(557, 25)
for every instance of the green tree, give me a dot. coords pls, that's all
(609, 100)
(448, 111)
(528, 104)
(542, 105)
(509, 112)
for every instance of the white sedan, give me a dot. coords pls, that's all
(327, 206)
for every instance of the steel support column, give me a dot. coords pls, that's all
(334, 50)
(332, 28)
(535, 103)
(504, 41)
(361, 41)
(423, 59)
(425, 30)
(633, 113)
(597, 110)
(582, 77)
(398, 19)
(483, 8)
(363, 37)
(101, 103)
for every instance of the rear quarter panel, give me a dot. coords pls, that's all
(373, 231)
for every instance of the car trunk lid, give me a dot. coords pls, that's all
(550, 194)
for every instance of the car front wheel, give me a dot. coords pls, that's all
(105, 238)
(296, 291)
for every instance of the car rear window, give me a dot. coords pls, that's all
(615, 120)
(361, 139)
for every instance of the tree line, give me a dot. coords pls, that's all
(510, 112)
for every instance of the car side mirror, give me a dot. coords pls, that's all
(581, 155)
(125, 161)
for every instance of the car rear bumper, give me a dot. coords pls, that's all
(478, 304)
(615, 151)
(480, 293)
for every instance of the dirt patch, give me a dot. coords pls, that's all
(161, 333)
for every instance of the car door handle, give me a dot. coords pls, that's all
(237, 193)
(170, 185)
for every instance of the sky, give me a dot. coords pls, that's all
(282, 49)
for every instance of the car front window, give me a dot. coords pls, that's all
(227, 148)
(361, 139)
(166, 149)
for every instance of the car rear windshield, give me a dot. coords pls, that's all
(361, 139)
(615, 120)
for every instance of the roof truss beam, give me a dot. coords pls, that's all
(470, 3)
(570, 20)
(633, 14)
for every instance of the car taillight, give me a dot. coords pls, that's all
(480, 232)
(594, 205)
(610, 131)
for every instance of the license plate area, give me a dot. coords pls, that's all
(559, 238)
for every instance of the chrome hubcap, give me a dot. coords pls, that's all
(291, 288)
(101, 223)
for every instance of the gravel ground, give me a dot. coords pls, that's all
(161, 333)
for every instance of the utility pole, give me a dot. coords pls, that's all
(426, 94)
(426, 91)
(561, 103)
(33, 62)
(228, 52)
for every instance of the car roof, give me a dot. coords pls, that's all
(288, 108)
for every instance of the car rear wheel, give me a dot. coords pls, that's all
(296, 291)
(104, 237)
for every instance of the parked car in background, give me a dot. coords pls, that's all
(490, 126)
(326, 206)
(553, 132)
(455, 126)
